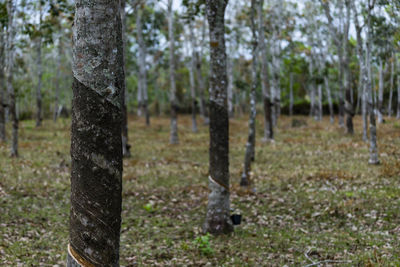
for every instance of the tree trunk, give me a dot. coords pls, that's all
(96, 143)
(9, 77)
(291, 99)
(143, 99)
(373, 150)
(3, 137)
(230, 85)
(58, 81)
(251, 139)
(392, 71)
(200, 79)
(320, 111)
(218, 220)
(126, 152)
(328, 93)
(348, 105)
(174, 103)
(398, 92)
(265, 85)
(192, 78)
(380, 92)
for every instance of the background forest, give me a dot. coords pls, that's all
(313, 97)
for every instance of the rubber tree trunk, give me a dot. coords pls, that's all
(398, 92)
(217, 219)
(173, 100)
(320, 111)
(96, 143)
(3, 137)
(380, 92)
(58, 81)
(142, 88)
(373, 150)
(265, 84)
(192, 70)
(200, 79)
(9, 77)
(230, 85)
(392, 71)
(126, 152)
(328, 94)
(291, 98)
(251, 139)
(40, 73)
(348, 106)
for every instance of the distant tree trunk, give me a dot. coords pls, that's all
(313, 106)
(3, 137)
(9, 77)
(320, 111)
(380, 92)
(348, 106)
(291, 99)
(230, 85)
(392, 71)
(251, 139)
(40, 73)
(398, 92)
(124, 124)
(218, 220)
(328, 93)
(143, 96)
(192, 78)
(174, 103)
(96, 143)
(200, 79)
(58, 81)
(265, 85)
(371, 103)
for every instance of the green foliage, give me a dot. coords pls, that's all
(202, 243)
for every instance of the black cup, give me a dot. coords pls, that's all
(236, 219)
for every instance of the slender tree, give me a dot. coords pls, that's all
(265, 84)
(58, 80)
(251, 140)
(192, 69)
(39, 100)
(173, 100)
(96, 143)
(3, 137)
(10, 50)
(217, 218)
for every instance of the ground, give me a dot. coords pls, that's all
(315, 197)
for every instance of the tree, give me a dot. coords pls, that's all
(217, 218)
(173, 100)
(10, 50)
(3, 137)
(96, 145)
(39, 101)
(265, 85)
(251, 140)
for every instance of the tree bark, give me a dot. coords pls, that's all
(96, 143)
(392, 71)
(291, 98)
(348, 106)
(218, 209)
(251, 139)
(174, 103)
(380, 92)
(200, 79)
(328, 93)
(58, 81)
(9, 78)
(265, 84)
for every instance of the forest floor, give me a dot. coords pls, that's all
(316, 199)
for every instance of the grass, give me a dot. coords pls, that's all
(315, 199)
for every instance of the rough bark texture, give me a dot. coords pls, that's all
(96, 145)
(218, 208)
(40, 74)
(173, 100)
(9, 77)
(3, 137)
(265, 85)
(251, 139)
(126, 147)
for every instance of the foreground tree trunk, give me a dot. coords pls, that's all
(9, 77)
(174, 103)
(96, 145)
(251, 139)
(265, 85)
(40, 73)
(218, 209)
